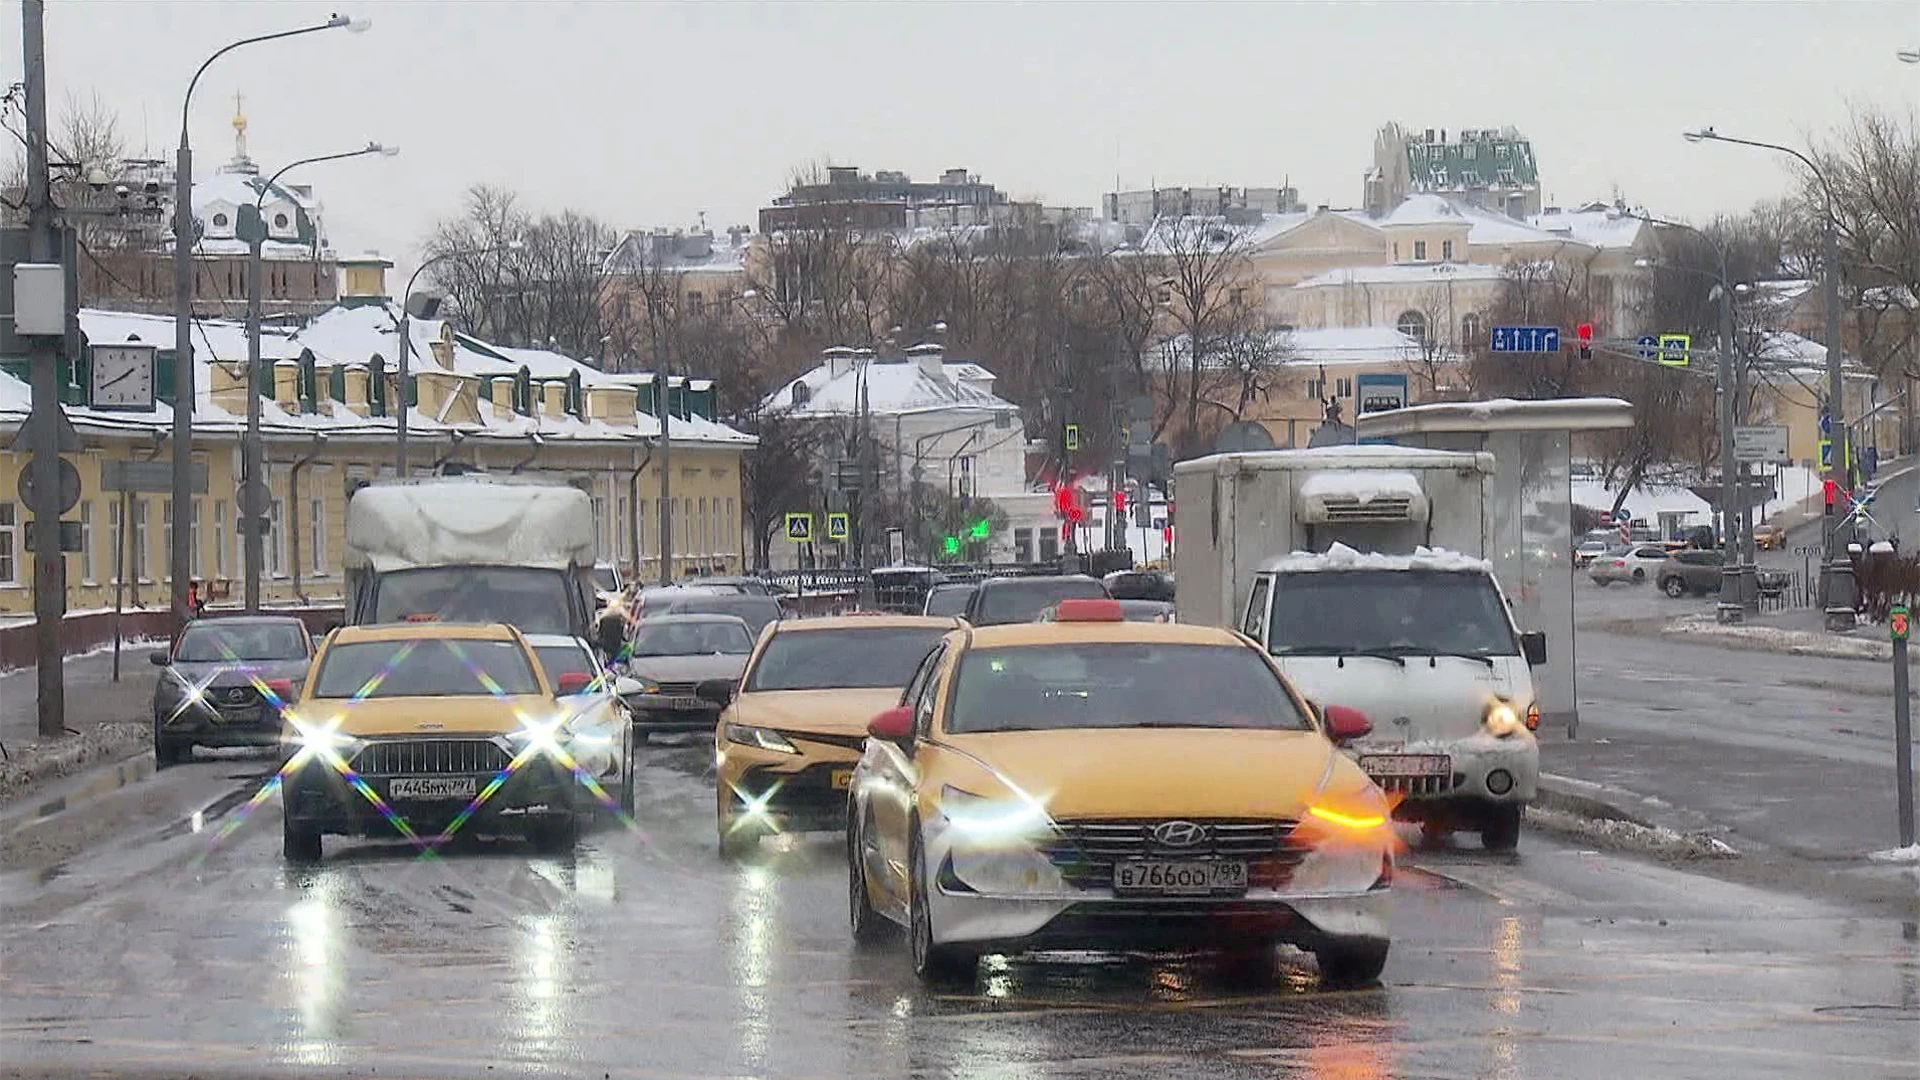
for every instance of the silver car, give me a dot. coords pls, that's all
(670, 656)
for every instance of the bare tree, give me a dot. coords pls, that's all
(548, 292)
(1206, 260)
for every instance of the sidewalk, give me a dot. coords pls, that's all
(106, 721)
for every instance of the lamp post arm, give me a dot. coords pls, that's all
(334, 23)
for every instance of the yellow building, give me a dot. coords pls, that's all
(331, 397)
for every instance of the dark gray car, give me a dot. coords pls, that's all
(1023, 599)
(671, 656)
(1696, 572)
(755, 611)
(224, 683)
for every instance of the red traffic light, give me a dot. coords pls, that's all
(1584, 332)
(1119, 502)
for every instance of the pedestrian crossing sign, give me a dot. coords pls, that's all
(837, 526)
(1674, 349)
(800, 528)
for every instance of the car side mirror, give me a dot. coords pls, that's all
(627, 686)
(159, 658)
(1345, 723)
(893, 725)
(574, 682)
(1533, 646)
(715, 691)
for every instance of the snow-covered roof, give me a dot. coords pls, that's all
(677, 250)
(1342, 557)
(1644, 503)
(1349, 345)
(1596, 224)
(1424, 210)
(891, 389)
(1404, 273)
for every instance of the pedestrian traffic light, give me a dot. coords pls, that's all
(1585, 333)
(951, 545)
(1119, 502)
(981, 530)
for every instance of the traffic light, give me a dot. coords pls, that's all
(1119, 502)
(1585, 333)
(981, 530)
(951, 545)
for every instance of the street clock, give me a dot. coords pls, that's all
(122, 377)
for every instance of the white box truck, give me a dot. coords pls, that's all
(472, 548)
(1361, 570)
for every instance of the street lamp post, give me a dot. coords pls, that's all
(180, 560)
(406, 344)
(1737, 594)
(1838, 571)
(254, 500)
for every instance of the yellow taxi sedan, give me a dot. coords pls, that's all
(1095, 783)
(786, 745)
(422, 730)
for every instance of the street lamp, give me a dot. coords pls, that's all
(406, 341)
(181, 556)
(1839, 598)
(254, 498)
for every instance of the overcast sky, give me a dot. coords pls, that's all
(649, 113)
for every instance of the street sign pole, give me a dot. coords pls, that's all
(1898, 625)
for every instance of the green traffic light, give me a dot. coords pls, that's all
(953, 545)
(981, 530)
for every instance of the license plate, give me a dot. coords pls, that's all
(433, 787)
(1378, 765)
(685, 702)
(1200, 877)
(841, 779)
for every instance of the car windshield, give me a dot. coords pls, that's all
(1022, 601)
(425, 667)
(1118, 685)
(211, 642)
(532, 599)
(1412, 612)
(755, 611)
(605, 579)
(952, 600)
(842, 659)
(559, 660)
(691, 639)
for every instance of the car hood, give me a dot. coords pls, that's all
(826, 712)
(239, 672)
(1443, 698)
(466, 714)
(688, 668)
(1201, 773)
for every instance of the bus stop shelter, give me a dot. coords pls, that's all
(1530, 511)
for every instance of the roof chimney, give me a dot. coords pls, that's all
(839, 360)
(931, 358)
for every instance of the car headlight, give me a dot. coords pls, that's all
(321, 741)
(982, 819)
(764, 738)
(1500, 720)
(548, 736)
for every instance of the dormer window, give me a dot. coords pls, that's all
(279, 221)
(802, 393)
(219, 221)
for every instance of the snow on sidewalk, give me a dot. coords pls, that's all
(1704, 628)
(1905, 856)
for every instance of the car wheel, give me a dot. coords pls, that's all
(867, 925)
(1602, 582)
(1346, 962)
(556, 836)
(1639, 575)
(936, 965)
(298, 843)
(1500, 828)
(1674, 587)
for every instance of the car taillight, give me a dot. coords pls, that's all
(1533, 717)
(1619, 564)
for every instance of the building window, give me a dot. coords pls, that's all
(732, 526)
(1419, 251)
(195, 567)
(1414, 325)
(86, 543)
(1396, 251)
(220, 539)
(706, 533)
(599, 520)
(1469, 328)
(9, 544)
(1049, 545)
(1446, 250)
(139, 507)
(219, 221)
(696, 304)
(1023, 545)
(117, 537)
(277, 539)
(622, 513)
(1343, 388)
(319, 538)
(1164, 295)
(1316, 388)
(279, 221)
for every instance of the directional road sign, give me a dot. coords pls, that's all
(837, 527)
(1526, 339)
(1674, 349)
(1760, 442)
(1648, 347)
(800, 528)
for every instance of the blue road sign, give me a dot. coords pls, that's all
(1648, 346)
(1826, 423)
(1525, 339)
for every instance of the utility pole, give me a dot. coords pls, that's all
(49, 567)
(1732, 606)
(255, 503)
(180, 554)
(1839, 597)
(663, 403)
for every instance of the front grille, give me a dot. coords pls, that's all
(233, 697)
(413, 757)
(678, 689)
(1418, 787)
(1084, 851)
(1383, 508)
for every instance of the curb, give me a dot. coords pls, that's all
(102, 782)
(117, 743)
(1775, 640)
(1591, 812)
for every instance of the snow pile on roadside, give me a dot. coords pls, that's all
(1904, 856)
(1775, 639)
(1655, 839)
(1342, 557)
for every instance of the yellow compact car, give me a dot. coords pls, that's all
(1095, 783)
(787, 744)
(421, 730)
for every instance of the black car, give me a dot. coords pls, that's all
(755, 611)
(948, 598)
(225, 682)
(1024, 599)
(1141, 585)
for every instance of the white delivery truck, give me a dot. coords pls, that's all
(1362, 571)
(472, 548)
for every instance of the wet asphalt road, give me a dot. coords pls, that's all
(184, 944)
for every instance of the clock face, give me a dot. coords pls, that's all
(122, 377)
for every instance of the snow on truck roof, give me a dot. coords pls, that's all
(1357, 456)
(479, 521)
(1361, 485)
(1342, 557)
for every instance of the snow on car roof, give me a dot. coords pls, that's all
(1342, 557)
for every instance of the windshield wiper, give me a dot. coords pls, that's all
(1380, 655)
(1487, 660)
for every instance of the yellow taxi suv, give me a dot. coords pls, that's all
(786, 746)
(425, 730)
(1091, 783)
